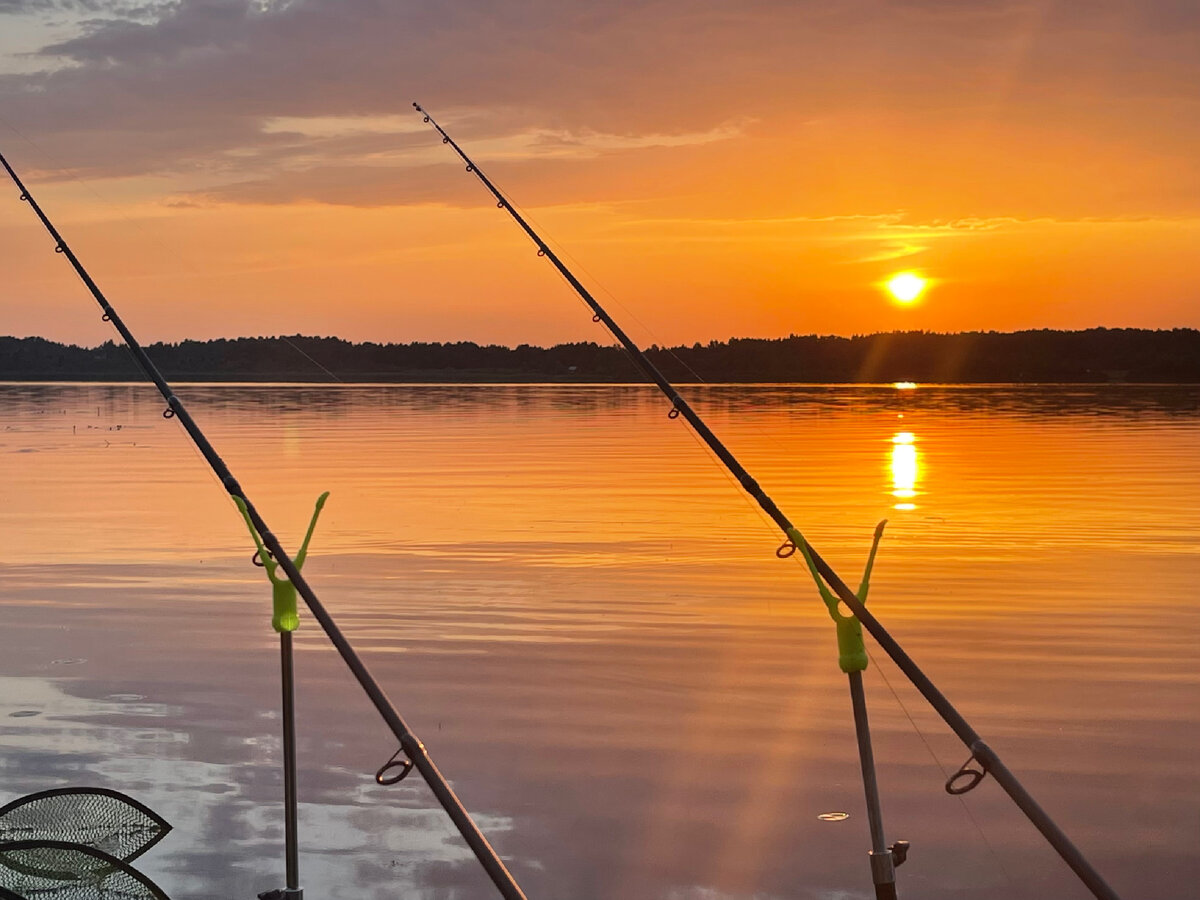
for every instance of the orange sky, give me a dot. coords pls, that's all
(230, 168)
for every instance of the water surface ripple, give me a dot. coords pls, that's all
(585, 621)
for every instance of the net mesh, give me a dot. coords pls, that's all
(94, 817)
(55, 870)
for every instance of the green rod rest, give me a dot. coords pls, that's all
(285, 616)
(852, 653)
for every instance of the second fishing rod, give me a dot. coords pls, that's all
(989, 763)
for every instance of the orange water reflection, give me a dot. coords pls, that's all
(581, 613)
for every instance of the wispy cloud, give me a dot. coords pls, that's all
(234, 86)
(109, 9)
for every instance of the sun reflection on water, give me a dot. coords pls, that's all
(905, 469)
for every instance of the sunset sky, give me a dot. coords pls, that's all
(714, 169)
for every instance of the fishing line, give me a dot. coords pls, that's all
(579, 265)
(937, 762)
(310, 359)
(983, 760)
(763, 517)
(646, 329)
(415, 753)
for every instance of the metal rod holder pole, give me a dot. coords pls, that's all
(290, 803)
(883, 868)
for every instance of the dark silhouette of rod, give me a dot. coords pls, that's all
(980, 752)
(409, 742)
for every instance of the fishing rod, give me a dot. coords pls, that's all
(986, 759)
(414, 751)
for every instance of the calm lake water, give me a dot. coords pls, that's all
(585, 621)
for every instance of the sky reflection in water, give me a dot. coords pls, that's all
(585, 622)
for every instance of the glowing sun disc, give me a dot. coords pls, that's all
(906, 287)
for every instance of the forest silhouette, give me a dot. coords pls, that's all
(1090, 356)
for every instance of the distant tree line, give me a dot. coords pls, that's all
(1094, 355)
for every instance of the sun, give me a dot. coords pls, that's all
(906, 287)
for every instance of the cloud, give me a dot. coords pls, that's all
(129, 9)
(285, 100)
(348, 186)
